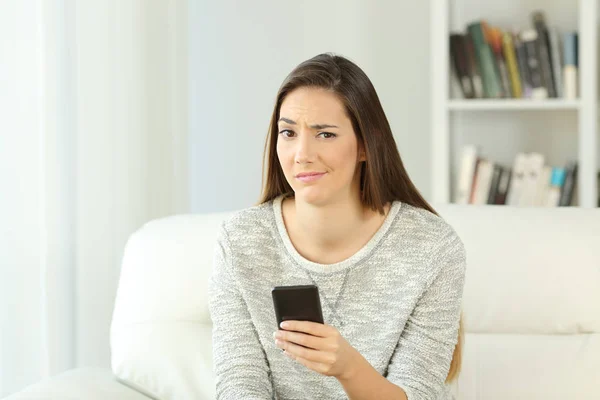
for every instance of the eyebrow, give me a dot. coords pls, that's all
(316, 126)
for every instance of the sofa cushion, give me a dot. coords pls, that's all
(88, 383)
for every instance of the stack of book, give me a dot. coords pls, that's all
(528, 183)
(530, 63)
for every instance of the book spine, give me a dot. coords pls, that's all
(478, 162)
(530, 38)
(543, 186)
(516, 185)
(531, 175)
(474, 70)
(458, 56)
(494, 185)
(486, 61)
(511, 63)
(466, 174)
(522, 63)
(484, 176)
(557, 67)
(556, 182)
(503, 185)
(570, 55)
(566, 195)
(497, 48)
(543, 50)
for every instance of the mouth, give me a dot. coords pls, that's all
(303, 174)
(310, 176)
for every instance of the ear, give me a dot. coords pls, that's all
(361, 155)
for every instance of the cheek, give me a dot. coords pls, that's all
(345, 159)
(283, 155)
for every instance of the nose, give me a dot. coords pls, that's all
(304, 148)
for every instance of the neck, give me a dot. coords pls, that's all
(330, 226)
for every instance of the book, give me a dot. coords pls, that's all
(570, 69)
(517, 181)
(556, 183)
(529, 37)
(543, 186)
(523, 69)
(566, 194)
(532, 171)
(485, 60)
(494, 184)
(460, 63)
(510, 56)
(464, 184)
(474, 181)
(483, 178)
(494, 37)
(557, 66)
(543, 51)
(503, 185)
(473, 66)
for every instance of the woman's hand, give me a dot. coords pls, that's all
(325, 350)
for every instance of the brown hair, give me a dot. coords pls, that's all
(383, 177)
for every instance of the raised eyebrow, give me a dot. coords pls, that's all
(289, 121)
(322, 126)
(316, 126)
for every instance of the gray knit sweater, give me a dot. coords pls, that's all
(397, 301)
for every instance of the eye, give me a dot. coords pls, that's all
(331, 135)
(283, 133)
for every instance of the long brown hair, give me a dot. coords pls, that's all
(383, 177)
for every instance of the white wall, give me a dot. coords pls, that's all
(240, 52)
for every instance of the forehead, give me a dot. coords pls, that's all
(313, 104)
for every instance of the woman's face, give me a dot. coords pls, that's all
(316, 136)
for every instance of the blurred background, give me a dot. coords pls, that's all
(117, 112)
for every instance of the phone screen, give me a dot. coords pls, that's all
(300, 303)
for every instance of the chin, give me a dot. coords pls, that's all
(312, 195)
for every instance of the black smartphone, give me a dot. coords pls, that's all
(297, 302)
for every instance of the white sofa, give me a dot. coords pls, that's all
(531, 307)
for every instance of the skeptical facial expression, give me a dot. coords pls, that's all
(317, 146)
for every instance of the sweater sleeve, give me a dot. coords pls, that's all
(422, 357)
(239, 361)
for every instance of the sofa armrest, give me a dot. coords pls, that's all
(88, 383)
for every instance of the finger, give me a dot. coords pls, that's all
(303, 339)
(303, 352)
(313, 328)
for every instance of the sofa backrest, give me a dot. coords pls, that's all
(531, 304)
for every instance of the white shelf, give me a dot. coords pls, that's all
(528, 125)
(512, 104)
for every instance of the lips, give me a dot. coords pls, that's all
(310, 176)
(304, 174)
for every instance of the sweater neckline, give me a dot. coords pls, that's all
(361, 254)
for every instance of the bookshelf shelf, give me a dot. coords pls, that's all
(513, 104)
(561, 129)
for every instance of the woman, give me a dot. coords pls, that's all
(338, 210)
